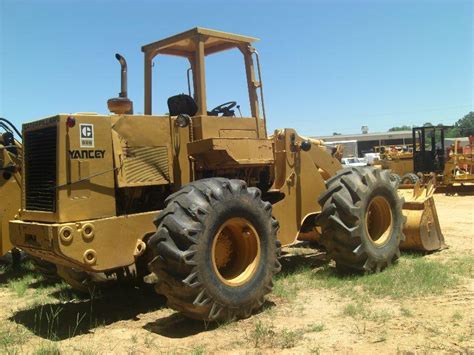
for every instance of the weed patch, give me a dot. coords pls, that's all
(267, 336)
(47, 349)
(198, 350)
(412, 276)
(406, 312)
(20, 285)
(11, 336)
(316, 328)
(457, 316)
(362, 311)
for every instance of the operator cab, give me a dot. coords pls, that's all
(429, 153)
(185, 105)
(221, 121)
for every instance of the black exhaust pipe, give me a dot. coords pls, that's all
(121, 104)
(123, 77)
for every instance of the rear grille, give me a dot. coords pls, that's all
(40, 169)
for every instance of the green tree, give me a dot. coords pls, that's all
(336, 134)
(463, 127)
(466, 124)
(400, 128)
(453, 133)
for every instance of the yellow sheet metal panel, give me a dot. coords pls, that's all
(10, 197)
(69, 171)
(298, 176)
(10, 191)
(220, 153)
(94, 245)
(142, 150)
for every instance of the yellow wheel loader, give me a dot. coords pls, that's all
(10, 182)
(199, 201)
(10, 197)
(454, 165)
(397, 159)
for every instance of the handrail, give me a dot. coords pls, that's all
(260, 85)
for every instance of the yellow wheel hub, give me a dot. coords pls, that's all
(236, 252)
(379, 221)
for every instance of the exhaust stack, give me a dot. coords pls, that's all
(121, 105)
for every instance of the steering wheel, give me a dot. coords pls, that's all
(225, 109)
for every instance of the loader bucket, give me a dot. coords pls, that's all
(422, 230)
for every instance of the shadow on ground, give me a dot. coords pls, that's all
(459, 190)
(59, 321)
(12, 273)
(301, 255)
(179, 326)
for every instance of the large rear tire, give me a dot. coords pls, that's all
(361, 219)
(215, 250)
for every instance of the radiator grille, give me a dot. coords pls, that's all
(40, 169)
(146, 165)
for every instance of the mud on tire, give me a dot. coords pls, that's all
(201, 275)
(361, 219)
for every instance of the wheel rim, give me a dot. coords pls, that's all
(379, 221)
(236, 252)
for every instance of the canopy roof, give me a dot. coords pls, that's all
(182, 44)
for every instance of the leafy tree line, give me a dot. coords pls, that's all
(462, 128)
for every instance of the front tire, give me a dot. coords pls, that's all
(361, 219)
(410, 179)
(215, 250)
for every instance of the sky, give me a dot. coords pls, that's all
(327, 66)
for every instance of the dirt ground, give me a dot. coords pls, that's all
(306, 320)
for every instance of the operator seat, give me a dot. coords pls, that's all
(182, 105)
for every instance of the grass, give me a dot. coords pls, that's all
(49, 348)
(261, 334)
(457, 316)
(412, 276)
(353, 310)
(316, 328)
(288, 339)
(11, 336)
(362, 311)
(267, 336)
(287, 285)
(406, 312)
(20, 285)
(198, 350)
